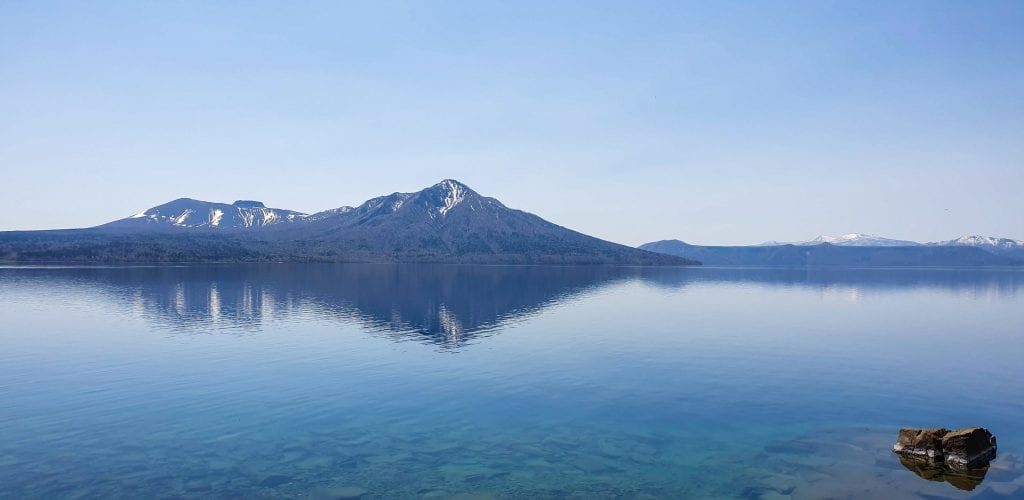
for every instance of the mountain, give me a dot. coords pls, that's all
(828, 254)
(858, 240)
(447, 222)
(1004, 246)
(984, 242)
(186, 213)
(847, 240)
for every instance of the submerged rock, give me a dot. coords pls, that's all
(959, 449)
(591, 465)
(476, 495)
(339, 493)
(275, 480)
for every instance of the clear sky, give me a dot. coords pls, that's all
(712, 122)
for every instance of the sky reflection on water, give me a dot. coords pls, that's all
(269, 381)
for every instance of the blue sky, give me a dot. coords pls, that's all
(712, 122)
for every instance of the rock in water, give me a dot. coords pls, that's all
(920, 442)
(968, 446)
(958, 449)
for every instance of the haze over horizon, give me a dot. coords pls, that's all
(714, 124)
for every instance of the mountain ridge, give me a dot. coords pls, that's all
(447, 222)
(185, 213)
(857, 239)
(861, 239)
(853, 249)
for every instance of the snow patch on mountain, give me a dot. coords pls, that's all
(455, 194)
(858, 240)
(180, 219)
(269, 216)
(326, 214)
(982, 241)
(189, 213)
(400, 199)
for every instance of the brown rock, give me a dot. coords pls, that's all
(968, 446)
(922, 442)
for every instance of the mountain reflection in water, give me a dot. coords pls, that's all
(447, 304)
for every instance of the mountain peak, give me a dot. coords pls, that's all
(451, 184)
(450, 193)
(249, 204)
(191, 213)
(977, 240)
(858, 239)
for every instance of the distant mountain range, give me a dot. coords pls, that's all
(442, 304)
(867, 240)
(854, 249)
(852, 239)
(444, 223)
(447, 222)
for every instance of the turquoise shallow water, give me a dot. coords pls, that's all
(320, 381)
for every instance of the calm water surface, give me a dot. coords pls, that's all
(500, 382)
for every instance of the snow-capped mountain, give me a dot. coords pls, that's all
(1000, 246)
(434, 204)
(846, 240)
(982, 241)
(866, 240)
(446, 222)
(450, 222)
(197, 214)
(858, 240)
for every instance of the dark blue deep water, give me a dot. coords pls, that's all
(335, 381)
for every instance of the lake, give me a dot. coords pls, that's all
(420, 381)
